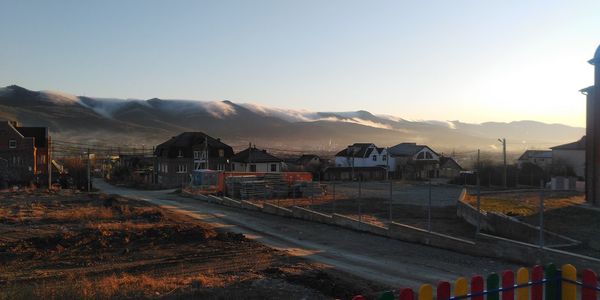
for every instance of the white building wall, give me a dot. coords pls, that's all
(573, 158)
(260, 167)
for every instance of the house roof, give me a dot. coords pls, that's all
(360, 150)
(447, 161)
(306, 158)
(185, 141)
(579, 145)
(596, 59)
(536, 154)
(254, 155)
(39, 133)
(407, 149)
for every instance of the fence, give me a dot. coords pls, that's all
(549, 283)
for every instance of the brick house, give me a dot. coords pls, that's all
(24, 154)
(256, 160)
(179, 156)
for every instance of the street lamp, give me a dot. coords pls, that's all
(504, 179)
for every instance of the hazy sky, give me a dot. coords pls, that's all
(446, 60)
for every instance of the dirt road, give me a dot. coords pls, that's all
(386, 261)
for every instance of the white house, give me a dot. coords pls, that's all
(572, 154)
(414, 161)
(541, 158)
(256, 160)
(364, 155)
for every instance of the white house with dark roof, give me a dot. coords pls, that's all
(364, 155)
(256, 160)
(541, 158)
(414, 161)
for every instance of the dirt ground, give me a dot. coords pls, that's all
(79, 246)
(377, 211)
(565, 213)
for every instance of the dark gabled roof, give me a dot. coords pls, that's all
(359, 150)
(306, 158)
(536, 154)
(407, 149)
(39, 133)
(253, 155)
(186, 141)
(444, 160)
(579, 145)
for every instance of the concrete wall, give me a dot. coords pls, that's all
(277, 210)
(310, 215)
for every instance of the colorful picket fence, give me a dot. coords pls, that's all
(542, 283)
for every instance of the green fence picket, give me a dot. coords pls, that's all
(493, 283)
(551, 290)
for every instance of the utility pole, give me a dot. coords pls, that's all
(89, 175)
(477, 170)
(49, 158)
(206, 151)
(505, 175)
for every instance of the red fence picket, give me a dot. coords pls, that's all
(443, 290)
(589, 279)
(477, 287)
(508, 282)
(406, 294)
(537, 275)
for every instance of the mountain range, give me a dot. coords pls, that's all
(149, 122)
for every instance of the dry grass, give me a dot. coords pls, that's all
(525, 204)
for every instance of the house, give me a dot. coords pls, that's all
(256, 160)
(541, 158)
(449, 168)
(178, 156)
(25, 153)
(412, 161)
(363, 155)
(362, 173)
(571, 155)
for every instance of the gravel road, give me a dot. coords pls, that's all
(386, 261)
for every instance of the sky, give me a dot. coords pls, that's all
(473, 61)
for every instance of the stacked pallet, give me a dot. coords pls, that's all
(234, 185)
(276, 186)
(308, 189)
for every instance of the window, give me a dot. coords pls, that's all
(273, 167)
(221, 153)
(374, 157)
(428, 155)
(196, 154)
(182, 168)
(180, 154)
(384, 158)
(197, 166)
(421, 155)
(252, 168)
(232, 167)
(12, 144)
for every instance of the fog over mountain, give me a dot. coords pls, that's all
(148, 122)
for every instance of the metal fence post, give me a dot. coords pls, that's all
(333, 201)
(391, 198)
(478, 204)
(542, 214)
(359, 200)
(429, 209)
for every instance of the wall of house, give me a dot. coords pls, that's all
(173, 172)
(260, 167)
(573, 158)
(343, 161)
(18, 164)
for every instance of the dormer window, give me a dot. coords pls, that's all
(374, 157)
(12, 144)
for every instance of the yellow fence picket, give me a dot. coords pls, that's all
(426, 292)
(568, 289)
(461, 287)
(522, 278)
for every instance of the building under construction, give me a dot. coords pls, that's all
(592, 158)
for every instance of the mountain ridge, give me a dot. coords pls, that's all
(153, 120)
